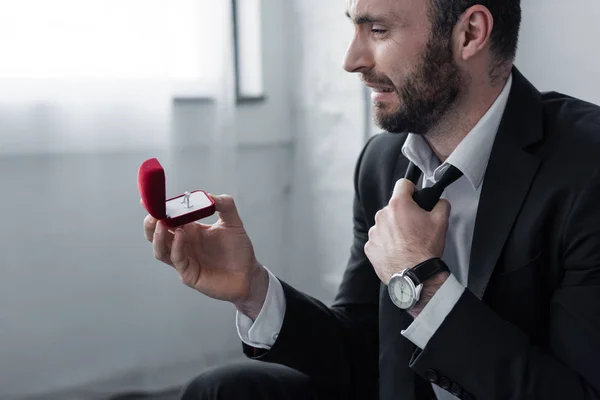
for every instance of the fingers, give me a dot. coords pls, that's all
(162, 242)
(403, 188)
(149, 227)
(227, 210)
(179, 256)
(441, 210)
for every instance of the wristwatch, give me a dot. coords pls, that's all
(405, 287)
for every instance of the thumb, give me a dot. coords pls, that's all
(225, 206)
(403, 187)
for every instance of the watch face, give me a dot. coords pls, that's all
(403, 293)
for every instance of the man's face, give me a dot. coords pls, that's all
(414, 77)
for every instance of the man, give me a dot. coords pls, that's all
(492, 292)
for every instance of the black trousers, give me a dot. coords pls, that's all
(254, 380)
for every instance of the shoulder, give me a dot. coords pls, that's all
(570, 149)
(572, 125)
(376, 168)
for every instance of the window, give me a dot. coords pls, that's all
(178, 40)
(247, 18)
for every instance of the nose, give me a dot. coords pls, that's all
(359, 57)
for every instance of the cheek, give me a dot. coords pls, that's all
(390, 63)
(399, 57)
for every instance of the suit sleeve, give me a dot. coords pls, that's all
(424, 326)
(492, 359)
(335, 346)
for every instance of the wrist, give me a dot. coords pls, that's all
(251, 304)
(430, 288)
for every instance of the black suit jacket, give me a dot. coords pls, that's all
(528, 325)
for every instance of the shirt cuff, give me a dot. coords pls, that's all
(263, 332)
(422, 329)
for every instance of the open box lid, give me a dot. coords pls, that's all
(152, 187)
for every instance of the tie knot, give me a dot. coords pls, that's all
(428, 197)
(451, 175)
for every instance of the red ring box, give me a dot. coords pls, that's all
(174, 212)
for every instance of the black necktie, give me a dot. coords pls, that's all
(427, 198)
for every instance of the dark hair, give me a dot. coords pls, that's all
(507, 22)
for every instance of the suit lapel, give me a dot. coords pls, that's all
(509, 174)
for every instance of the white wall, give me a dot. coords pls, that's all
(84, 306)
(560, 48)
(330, 120)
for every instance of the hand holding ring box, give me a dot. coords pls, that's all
(176, 211)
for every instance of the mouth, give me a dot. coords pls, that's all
(381, 89)
(383, 94)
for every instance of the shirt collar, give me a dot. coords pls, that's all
(471, 155)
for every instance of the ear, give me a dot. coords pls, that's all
(472, 32)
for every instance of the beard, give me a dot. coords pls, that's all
(426, 95)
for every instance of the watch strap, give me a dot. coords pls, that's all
(426, 270)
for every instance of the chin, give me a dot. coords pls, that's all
(385, 110)
(384, 113)
(390, 121)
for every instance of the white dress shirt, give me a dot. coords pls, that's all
(470, 157)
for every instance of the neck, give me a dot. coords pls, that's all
(462, 118)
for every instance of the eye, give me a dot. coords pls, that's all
(378, 30)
